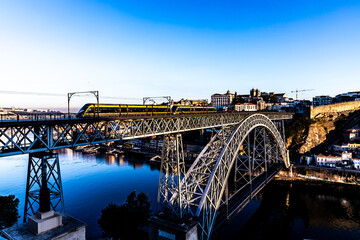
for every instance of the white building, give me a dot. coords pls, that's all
(330, 161)
(353, 134)
(307, 159)
(356, 162)
(222, 100)
(322, 100)
(347, 147)
(248, 107)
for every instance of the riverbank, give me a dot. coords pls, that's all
(313, 173)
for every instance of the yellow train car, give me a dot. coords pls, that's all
(116, 110)
(192, 109)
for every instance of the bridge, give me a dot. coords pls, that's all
(245, 153)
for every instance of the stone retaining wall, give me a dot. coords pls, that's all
(334, 108)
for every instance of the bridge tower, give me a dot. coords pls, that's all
(173, 220)
(43, 185)
(44, 194)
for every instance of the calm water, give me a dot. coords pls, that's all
(283, 210)
(298, 210)
(90, 183)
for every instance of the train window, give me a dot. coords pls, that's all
(90, 110)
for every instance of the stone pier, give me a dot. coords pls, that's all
(165, 227)
(47, 226)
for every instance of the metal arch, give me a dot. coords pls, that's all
(212, 167)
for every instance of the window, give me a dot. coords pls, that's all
(90, 110)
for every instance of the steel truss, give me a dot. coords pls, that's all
(37, 136)
(250, 147)
(43, 172)
(172, 172)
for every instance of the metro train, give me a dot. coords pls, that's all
(114, 110)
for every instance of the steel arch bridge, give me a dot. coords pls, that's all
(248, 153)
(247, 142)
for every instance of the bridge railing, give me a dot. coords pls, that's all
(36, 117)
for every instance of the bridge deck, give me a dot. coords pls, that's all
(35, 135)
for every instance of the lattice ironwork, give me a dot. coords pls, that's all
(172, 172)
(19, 137)
(44, 164)
(208, 176)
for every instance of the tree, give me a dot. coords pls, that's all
(238, 99)
(266, 98)
(125, 221)
(274, 99)
(8, 211)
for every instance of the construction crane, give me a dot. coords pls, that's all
(303, 90)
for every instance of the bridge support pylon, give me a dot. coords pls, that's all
(172, 172)
(43, 186)
(172, 220)
(44, 194)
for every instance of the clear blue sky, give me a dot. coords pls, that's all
(185, 49)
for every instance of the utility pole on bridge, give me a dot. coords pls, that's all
(95, 93)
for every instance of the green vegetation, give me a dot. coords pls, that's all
(238, 99)
(8, 211)
(270, 98)
(297, 129)
(125, 221)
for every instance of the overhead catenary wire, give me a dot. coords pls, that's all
(62, 95)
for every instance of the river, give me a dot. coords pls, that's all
(283, 210)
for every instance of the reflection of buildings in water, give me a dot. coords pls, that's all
(154, 167)
(137, 165)
(287, 200)
(323, 197)
(121, 160)
(110, 159)
(68, 152)
(348, 208)
(336, 218)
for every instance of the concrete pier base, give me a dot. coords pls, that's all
(163, 227)
(70, 229)
(44, 221)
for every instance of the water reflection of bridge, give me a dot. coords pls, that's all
(246, 152)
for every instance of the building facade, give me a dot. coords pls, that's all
(322, 100)
(247, 107)
(353, 134)
(332, 161)
(222, 100)
(347, 97)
